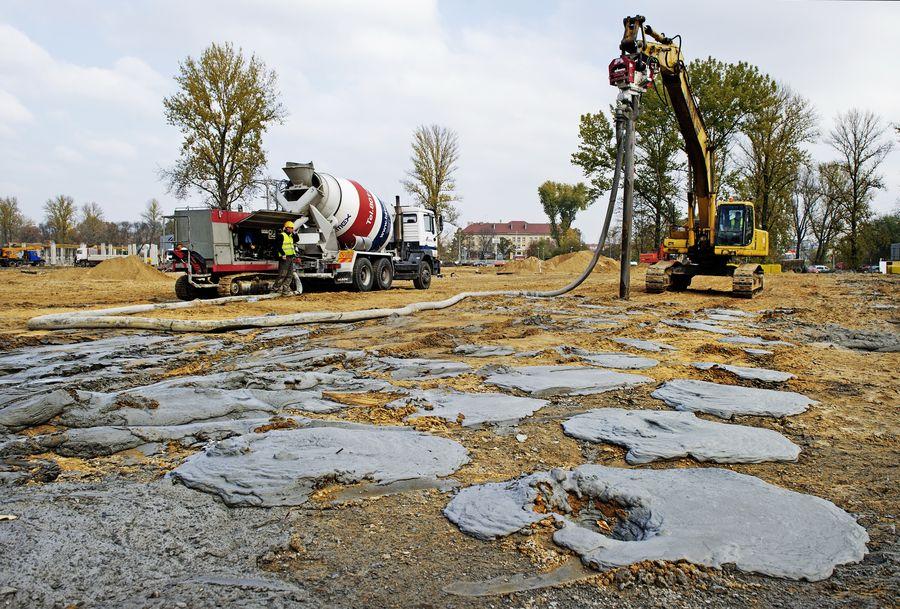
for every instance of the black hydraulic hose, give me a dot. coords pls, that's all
(617, 171)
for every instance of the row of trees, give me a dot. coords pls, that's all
(66, 222)
(759, 133)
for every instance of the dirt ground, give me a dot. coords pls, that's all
(399, 551)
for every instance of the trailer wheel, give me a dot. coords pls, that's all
(384, 274)
(423, 277)
(184, 290)
(363, 275)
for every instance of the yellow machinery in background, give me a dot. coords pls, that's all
(715, 233)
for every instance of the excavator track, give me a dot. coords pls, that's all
(659, 276)
(747, 280)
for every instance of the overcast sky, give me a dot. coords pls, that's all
(81, 85)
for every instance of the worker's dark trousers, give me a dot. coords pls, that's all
(285, 270)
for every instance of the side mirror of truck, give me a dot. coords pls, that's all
(440, 224)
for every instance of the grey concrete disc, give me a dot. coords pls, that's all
(546, 381)
(726, 401)
(624, 361)
(706, 516)
(644, 345)
(484, 350)
(284, 467)
(748, 373)
(653, 434)
(754, 340)
(706, 326)
(474, 408)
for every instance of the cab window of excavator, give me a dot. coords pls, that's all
(730, 229)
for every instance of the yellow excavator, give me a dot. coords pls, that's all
(715, 233)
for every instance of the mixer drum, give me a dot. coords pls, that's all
(361, 220)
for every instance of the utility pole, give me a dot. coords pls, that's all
(631, 109)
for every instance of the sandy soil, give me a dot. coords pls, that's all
(399, 551)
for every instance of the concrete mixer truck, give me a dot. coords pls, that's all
(347, 236)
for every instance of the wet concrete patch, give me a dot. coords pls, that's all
(726, 401)
(748, 373)
(18, 414)
(705, 326)
(484, 350)
(285, 467)
(471, 409)
(644, 345)
(547, 381)
(728, 314)
(857, 339)
(706, 516)
(754, 340)
(413, 368)
(92, 442)
(653, 434)
(126, 544)
(623, 361)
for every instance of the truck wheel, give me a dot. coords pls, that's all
(184, 290)
(384, 274)
(423, 278)
(363, 275)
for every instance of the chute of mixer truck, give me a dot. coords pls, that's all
(347, 235)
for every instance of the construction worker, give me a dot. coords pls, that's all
(286, 258)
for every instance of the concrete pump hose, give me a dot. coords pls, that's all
(121, 317)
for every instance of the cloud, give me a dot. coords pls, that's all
(67, 154)
(26, 66)
(12, 113)
(110, 147)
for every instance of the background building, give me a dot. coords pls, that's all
(500, 240)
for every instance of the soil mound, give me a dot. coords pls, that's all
(127, 268)
(528, 265)
(575, 262)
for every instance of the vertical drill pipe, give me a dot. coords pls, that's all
(628, 201)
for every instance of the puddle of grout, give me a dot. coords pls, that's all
(570, 571)
(370, 491)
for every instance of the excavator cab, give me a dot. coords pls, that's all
(734, 224)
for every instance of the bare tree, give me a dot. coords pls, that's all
(224, 105)
(862, 143)
(435, 153)
(11, 219)
(92, 227)
(803, 202)
(59, 218)
(826, 216)
(773, 156)
(153, 218)
(486, 242)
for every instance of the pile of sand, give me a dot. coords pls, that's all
(527, 266)
(576, 262)
(572, 263)
(128, 268)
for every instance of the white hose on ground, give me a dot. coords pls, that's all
(120, 317)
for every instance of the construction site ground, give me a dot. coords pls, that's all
(137, 538)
